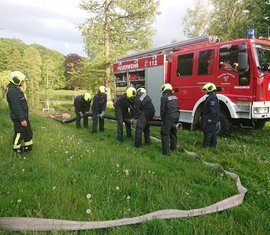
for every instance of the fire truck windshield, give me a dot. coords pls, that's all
(262, 53)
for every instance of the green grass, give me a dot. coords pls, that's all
(66, 164)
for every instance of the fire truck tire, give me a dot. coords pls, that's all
(224, 126)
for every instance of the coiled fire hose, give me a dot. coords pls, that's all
(42, 224)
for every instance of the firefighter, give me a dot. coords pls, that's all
(210, 116)
(144, 112)
(170, 114)
(225, 65)
(22, 139)
(124, 112)
(98, 109)
(82, 105)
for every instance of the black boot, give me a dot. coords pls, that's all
(27, 149)
(18, 151)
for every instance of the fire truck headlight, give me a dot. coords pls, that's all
(260, 110)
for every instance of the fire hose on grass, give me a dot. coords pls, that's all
(154, 122)
(43, 224)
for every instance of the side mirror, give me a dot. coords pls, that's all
(243, 58)
(242, 47)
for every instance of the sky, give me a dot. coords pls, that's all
(54, 23)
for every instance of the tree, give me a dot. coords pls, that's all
(7, 47)
(73, 65)
(196, 20)
(15, 61)
(32, 67)
(115, 27)
(259, 17)
(229, 19)
(52, 67)
(4, 82)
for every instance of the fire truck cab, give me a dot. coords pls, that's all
(239, 68)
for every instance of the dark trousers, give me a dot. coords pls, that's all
(168, 135)
(120, 118)
(78, 121)
(22, 134)
(142, 128)
(97, 120)
(209, 135)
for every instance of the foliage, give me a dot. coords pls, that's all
(259, 16)
(73, 71)
(192, 26)
(16, 61)
(32, 68)
(43, 64)
(3, 83)
(73, 174)
(227, 19)
(116, 27)
(7, 46)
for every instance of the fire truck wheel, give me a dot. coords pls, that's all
(224, 126)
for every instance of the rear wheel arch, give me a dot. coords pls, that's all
(224, 125)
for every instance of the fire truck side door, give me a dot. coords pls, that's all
(182, 78)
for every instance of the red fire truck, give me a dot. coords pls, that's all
(239, 68)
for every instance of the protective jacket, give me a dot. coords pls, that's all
(98, 107)
(209, 119)
(81, 105)
(169, 113)
(17, 103)
(169, 106)
(211, 109)
(18, 113)
(99, 103)
(144, 112)
(124, 104)
(143, 104)
(124, 110)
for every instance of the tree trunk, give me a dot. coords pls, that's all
(107, 44)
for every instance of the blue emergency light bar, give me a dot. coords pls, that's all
(251, 33)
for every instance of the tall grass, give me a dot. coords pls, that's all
(75, 175)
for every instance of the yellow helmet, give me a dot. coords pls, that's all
(102, 89)
(141, 90)
(166, 87)
(209, 87)
(87, 96)
(131, 92)
(16, 77)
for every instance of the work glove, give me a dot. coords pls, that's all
(133, 121)
(102, 114)
(81, 114)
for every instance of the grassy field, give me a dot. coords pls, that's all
(75, 175)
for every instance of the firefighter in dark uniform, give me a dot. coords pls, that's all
(170, 114)
(22, 139)
(144, 112)
(124, 112)
(210, 116)
(98, 109)
(82, 105)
